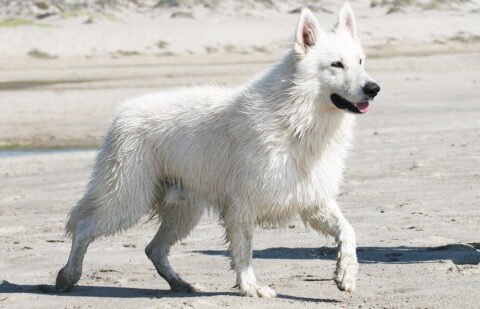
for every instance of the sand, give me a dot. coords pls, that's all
(411, 191)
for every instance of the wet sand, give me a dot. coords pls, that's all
(412, 191)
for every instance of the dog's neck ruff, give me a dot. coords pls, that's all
(284, 110)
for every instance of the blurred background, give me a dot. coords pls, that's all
(112, 50)
(412, 183)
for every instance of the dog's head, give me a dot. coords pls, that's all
(335, 61)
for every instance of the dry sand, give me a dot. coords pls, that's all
(412, 186)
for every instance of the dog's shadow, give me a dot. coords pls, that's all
(458, 253)
(126, 292)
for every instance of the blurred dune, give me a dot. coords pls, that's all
(50, 29)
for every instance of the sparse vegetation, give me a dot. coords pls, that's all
(230, 48)
(181, 14)
(127, 53)
(16, 22)
(35, 53)
(168, 3)
(110, 17)
(71, 13)
(161, 44)
(71, 8)
(395, 6)
(165, 53)
(464, 37)
(211, 49)
(395, 10)
(9, 146)
(260, 49)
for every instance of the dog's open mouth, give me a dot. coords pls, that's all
(354, 107)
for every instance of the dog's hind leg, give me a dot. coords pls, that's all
(178, 220)
(121, 190)
(69, 275)
(328, 219)
(239, 234)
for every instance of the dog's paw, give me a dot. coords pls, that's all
(258, 291)
(198, 288)
(346, 273)
(266, 292)
(181, 286)
(65, 281)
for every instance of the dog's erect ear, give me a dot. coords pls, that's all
(346, 20)
(307, 32)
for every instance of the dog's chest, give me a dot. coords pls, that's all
(298, 184)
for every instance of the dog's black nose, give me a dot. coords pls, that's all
(371, 89)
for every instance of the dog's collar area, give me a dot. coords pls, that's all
(341, 103)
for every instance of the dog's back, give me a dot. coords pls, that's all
(156, 142)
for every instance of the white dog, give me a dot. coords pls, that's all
(260, 154)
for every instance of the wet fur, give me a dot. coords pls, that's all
(260, 154)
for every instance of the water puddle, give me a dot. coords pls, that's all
(34, 152)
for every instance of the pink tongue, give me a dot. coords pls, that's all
(363, 107)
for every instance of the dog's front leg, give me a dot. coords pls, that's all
(239, 234)
(327, 218)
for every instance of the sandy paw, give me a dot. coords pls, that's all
(266, 292)
(259, 291)
(198, 288)
(181, 286)
(345, 275)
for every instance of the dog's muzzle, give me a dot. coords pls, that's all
(354, 107)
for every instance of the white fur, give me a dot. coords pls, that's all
(260, 154)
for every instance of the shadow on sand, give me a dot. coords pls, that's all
(126, 292)
(458, 253)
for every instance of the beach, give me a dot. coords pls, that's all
(411, 188)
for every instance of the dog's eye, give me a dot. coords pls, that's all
(360, 61)
(337, 64)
